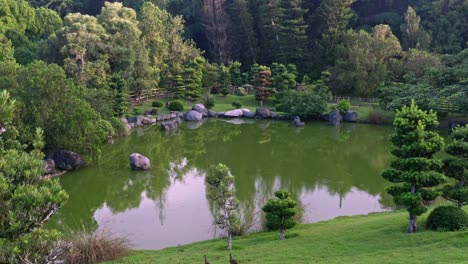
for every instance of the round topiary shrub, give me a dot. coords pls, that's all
(138, 111)
(237, 105)
(343, 105)
(157, 104)
(176, 106)
(447, 218)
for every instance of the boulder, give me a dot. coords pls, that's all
(263, 112)
(221, 114)
(199, 108)
(139, 162)
(350, 116)
(297, 122)
(147, 121)
(124, 120)
(334, 118)
(234, 113)
(177, 120)
(49, 166)
(193, 116)
(247, 113)
(274, 115)
(148, 112)
(211, 113)
(67, 160)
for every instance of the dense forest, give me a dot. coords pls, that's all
(76, 62)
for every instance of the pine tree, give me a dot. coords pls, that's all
(292, 32)
(280, 213)
(457, 168)
(415, 170)
(262, 85)
(235, 73)
(268, 29)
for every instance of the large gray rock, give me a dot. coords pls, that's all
(334, 118)
(263, 112)
(67, 160)
(193, 116)
(234, 113)
(49, 166)
(220, 114)
(297, 122)
(211, 113)
(139, 162)
(199, 108)
(350, 116)
(247, 113)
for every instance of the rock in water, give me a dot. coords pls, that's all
(49, 166)
(199, 108)
(334, 118)
(171, 125)
(139, 162)
(67, 160)
(263, 113)
(350, 116)
(211, 113)
(193, 116)
(297, 122)
(234, 113)
(247, 113)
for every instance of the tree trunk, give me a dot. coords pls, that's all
(282, 232)
(229, 241)
(413, 227)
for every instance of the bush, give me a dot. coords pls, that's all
(176, 106)
(119, 127)
(239, 91)
(209, 102)
(105, 130)
(154, 112)
(96, 247)
(138, 111)
(377, 118)
(343, 105)
(225, 91)
(216, 89)
(237, 105)
(157, 104)
(447, 218)
(304, 103)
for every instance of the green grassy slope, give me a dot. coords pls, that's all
(375, 238)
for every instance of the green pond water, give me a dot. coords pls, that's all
(332, 171)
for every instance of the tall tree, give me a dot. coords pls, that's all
(457, 168)
(415, 170)
(413, 35)
(221, 191)
(215, 23)
(280, 213)
(267, 27)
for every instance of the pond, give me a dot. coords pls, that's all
(332, 171)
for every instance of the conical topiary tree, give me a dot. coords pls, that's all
(280, 212)
(457, 168)
(416, 170)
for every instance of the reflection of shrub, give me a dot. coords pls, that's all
(237, 105)
(176, 106)
(96, 247)
(239, 91)
(343, 105)
(447, 218)
(157, 104)
(138, 111)
(377, 118)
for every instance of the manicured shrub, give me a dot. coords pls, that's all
(157, 104)
(237, 105)
(343, 105)
(209, 102)
(138, 111)
(176, 106)
(239, 91)
(447, 218)
(225, 91)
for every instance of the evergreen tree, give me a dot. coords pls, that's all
(235, 73)
(192, 78)
(221, 190)
(413, 35)
(415, 170)
(280, 212)
(268, 29)
(262, 85)
(225, 77)
(292, 32)
(457, 168)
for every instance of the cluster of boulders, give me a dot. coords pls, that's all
(148, 119)
(335, 117)
(199, 111)
(62, 160)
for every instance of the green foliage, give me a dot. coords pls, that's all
(119, 127)
(106, 130)
(237, 105)
(304, 103)
(447, 218)
(176, 106)
(225, 91)
(457, 167)
(414, 36)
(157, 104)
(225, 77)
(416, 171)
(240, 91)
(280, 212)
(138, 111)
(282, 79)
(343, 105)
(221, 191)
(209, 102)
(235, 73)
(262, 85)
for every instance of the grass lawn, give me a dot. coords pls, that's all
(374, 238)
